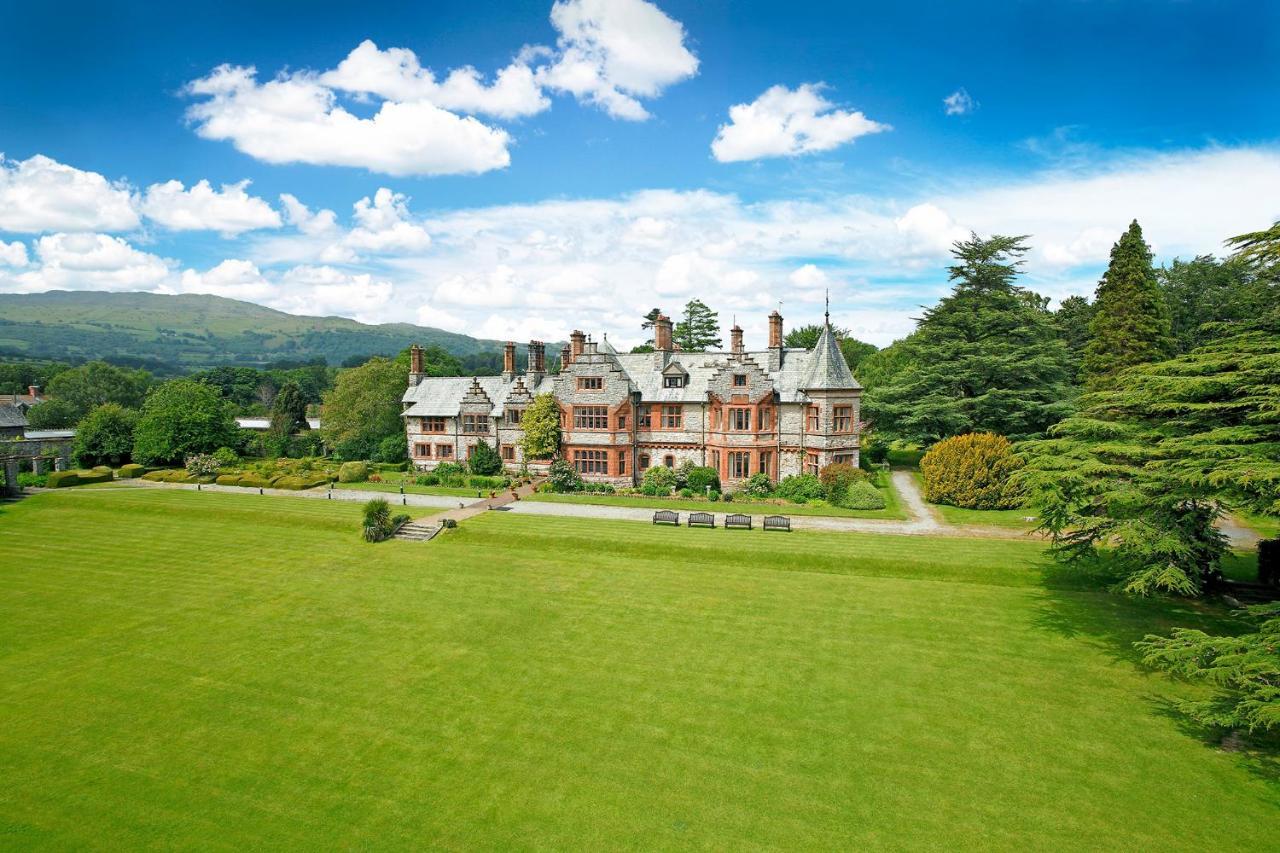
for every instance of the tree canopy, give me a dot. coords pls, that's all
(853, 350)
(180, 418)
(986, 358)
(541, 424)
(363, 407)
(105, 436)
(96, 382)
(1130, 323)
(698, 329)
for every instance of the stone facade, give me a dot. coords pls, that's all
(779, 411)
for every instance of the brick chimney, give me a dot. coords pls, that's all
(775, 341)
(508, 361)
(537, 364)
(577, 343)
(735, 339)
(416, 371)
(566, 357)
(662, 333)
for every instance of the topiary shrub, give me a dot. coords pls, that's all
(296, 482)
(658, 481)
(226, 457)
(255, 481)
(563, 477)
(862, 495)
(972, 471)
(805, 486)
(699, 477)
(228, 479)
(427, 480)
(686, 493)
(353, 472)
(62, 479)
(94, 476)
(131, 471)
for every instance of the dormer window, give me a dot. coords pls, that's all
(673, 382)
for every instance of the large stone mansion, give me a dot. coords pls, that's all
(778, 410)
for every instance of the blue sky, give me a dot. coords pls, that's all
(611, 175)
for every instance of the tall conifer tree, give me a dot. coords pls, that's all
(987, 358)
(1130, 322)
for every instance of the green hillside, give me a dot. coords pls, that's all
(193, 331)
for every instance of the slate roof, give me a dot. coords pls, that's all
(827, 367)
(440, 396)
(823, 368)
(12, 416)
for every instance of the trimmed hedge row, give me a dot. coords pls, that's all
(131, 471)
(62, 479)
(285, 481)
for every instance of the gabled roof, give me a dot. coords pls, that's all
(440, 396)
(827, 368)
(12, 416)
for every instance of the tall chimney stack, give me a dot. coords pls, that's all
(775, 341)
(662, 333)
(577, 343)
(566, 357)
(416, 371)
(537, 364)
(508, 361)
(735, 339)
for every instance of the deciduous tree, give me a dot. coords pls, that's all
(541, 425)
(96, 382)
(180, 418)
(105, 436)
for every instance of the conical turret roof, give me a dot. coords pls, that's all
(827, 368)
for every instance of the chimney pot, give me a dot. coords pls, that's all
(775, 330)
(509, 360)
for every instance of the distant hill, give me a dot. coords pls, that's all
(191, 331)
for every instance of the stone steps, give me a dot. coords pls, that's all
(416, 532)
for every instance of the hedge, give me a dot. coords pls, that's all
(297, 483)
(131, 471)
(905, 458)
(228, 480)
(862, 495)
(95, 476)
(972, 471)
(61, 479)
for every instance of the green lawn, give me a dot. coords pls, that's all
(183, 669)
(892, 510)
(413, 489)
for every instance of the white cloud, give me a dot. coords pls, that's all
(324, 291)
(92, 262)
(613, 52)
(295, 119)
(784, 122)
(959, 103)
(41, 194)
(809, 277)
(396, 75)
(234, 279)
(929, 229)
(13, 254)
(229, 211)
(300, 216)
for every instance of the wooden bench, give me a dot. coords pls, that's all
(737, 520)
(666, 516)
(702, 519)
(777, 522)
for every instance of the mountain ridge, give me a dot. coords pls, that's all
(194, 331)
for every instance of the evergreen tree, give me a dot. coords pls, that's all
(1072, 320)
(986, 358)
(1206, 291)
(649, 320)
(484, 460)
(699, 330)
(1130, 322)
(289, 411)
